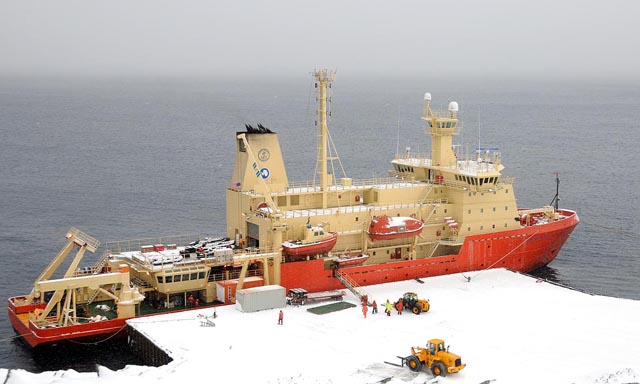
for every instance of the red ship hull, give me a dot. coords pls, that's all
(35, 336)
(87, 332)
(523, 250)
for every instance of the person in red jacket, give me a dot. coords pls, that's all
(280, 317)
(399, 307)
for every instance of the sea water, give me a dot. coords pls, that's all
(123, 158)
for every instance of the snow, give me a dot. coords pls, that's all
(508, 328)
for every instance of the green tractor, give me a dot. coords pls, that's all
(411, 302)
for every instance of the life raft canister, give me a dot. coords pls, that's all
(357, 198)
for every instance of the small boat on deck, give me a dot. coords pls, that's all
(388, 227)
(350, 260)
(316, 242)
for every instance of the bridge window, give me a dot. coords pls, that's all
(168, 279)
(177, 278)
(160, 279)
(185, 277)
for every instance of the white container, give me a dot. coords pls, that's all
(261, 298)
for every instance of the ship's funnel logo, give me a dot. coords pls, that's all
(264, 173)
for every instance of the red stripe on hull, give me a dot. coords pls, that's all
(523, 250)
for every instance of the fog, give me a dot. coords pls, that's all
(264, 38)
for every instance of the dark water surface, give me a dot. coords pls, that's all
(133, 158)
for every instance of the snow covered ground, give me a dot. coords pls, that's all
(508, 328)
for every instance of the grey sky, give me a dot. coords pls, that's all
(453, 37)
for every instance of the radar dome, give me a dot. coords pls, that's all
(453, 106)
(427, 96)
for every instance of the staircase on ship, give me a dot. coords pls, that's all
(351, 285)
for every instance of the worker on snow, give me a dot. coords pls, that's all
(388, 308)
(374, 307)
(280, 317)
(399, 307)
(364, 310)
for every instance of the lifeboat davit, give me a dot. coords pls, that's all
(316, 242)
(388, 228)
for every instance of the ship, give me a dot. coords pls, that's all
(433, 214)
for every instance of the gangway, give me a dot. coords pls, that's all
(351, 285)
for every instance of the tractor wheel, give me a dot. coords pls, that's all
(438, 369)
(416, 310)
(414, 364)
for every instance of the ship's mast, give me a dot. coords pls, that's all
(323, 78)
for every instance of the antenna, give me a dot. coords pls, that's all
(479, 125)
(556, 199)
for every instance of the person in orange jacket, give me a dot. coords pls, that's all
(399, 307)
(364, 310)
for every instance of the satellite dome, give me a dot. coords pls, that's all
(427, 96)
(453, 106)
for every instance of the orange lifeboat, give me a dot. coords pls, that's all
(389, 228)
(316, 242)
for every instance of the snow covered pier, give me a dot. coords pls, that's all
(508, 328)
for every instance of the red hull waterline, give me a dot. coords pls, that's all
(523, 250)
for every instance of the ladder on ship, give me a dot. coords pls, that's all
(351, 284)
